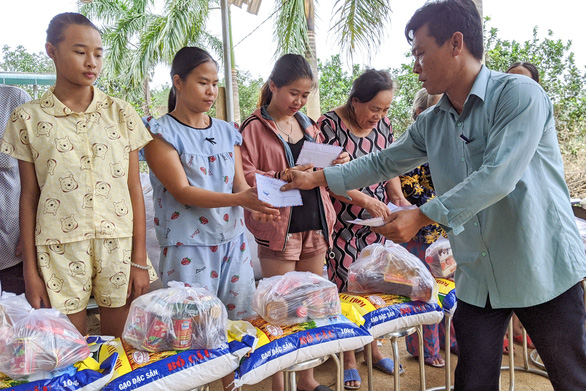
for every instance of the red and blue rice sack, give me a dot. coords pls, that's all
(447, 295)
(279, 347)
(385, 313)
(300, 319)
(175, 370)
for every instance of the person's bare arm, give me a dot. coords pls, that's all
(395, 192)
(139, 279)
(36, 291)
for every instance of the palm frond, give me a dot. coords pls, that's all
(105, 11)
(291, 27)
(360, 24)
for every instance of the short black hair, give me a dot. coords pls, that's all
(444, 18)
(60, 22)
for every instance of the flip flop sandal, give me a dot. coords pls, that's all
(321, 387)
(387, 365)
(431, 361)
(351, 375)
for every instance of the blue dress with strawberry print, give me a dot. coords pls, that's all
(207, 156)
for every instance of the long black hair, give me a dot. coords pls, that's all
(60, 22)
(185, 61)
(287, 69)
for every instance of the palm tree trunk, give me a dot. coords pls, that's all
(236, 98)
(147, 97)
(235, 95)
(313, 106)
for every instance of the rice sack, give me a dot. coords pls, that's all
(176, 318)
(392, 269)
(385, 313)
(279, 347)
(294, 298)
(440, 259)
(447, 295)
(86, 375)
(176, 370)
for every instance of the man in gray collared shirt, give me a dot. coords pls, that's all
(496, 165)
(11, 274)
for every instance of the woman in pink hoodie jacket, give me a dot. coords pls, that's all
(272, 138)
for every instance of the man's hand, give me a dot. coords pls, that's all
(303, 180)
(401, 226)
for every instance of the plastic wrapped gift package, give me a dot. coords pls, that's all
(35, 342)
(176, 318)
(390, 268)
(294, 298)
(440, 260)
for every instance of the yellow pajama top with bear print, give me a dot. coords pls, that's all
(81, 163)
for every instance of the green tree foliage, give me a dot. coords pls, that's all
(334, 82)
(248, 92)
(20, 60)
(137, 37)
(407, 85)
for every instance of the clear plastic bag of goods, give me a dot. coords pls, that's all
(440, 259)
(176, 318)
(294, 298)
(38, 343)
(390, 268)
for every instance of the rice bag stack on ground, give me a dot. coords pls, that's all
(385, 313)
(279, 347)
(299, 320)
(176, 370)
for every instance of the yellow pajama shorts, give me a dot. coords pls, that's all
(74, 271)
